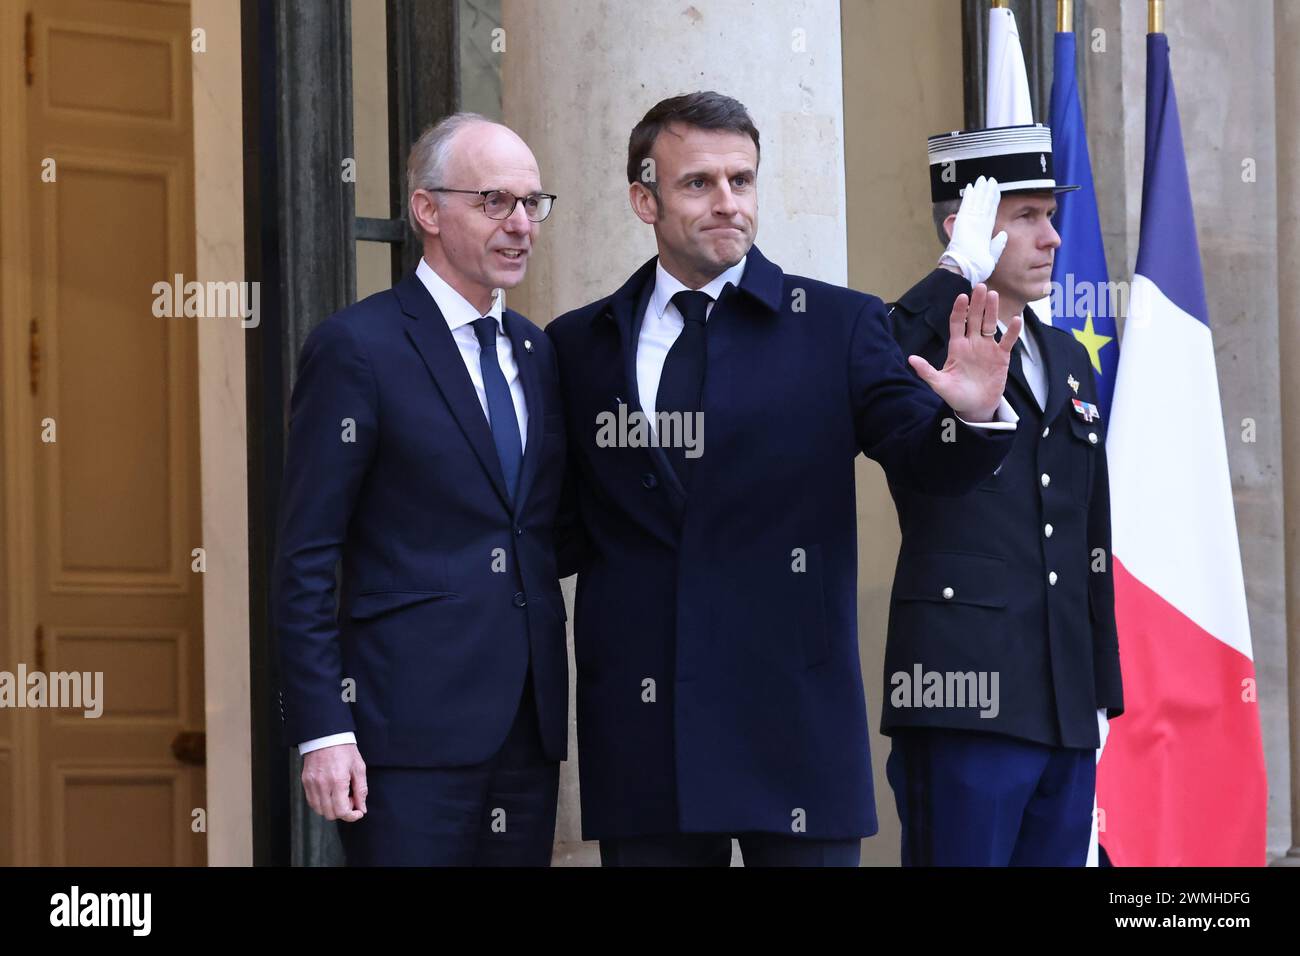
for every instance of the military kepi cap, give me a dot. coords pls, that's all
(1018, 157)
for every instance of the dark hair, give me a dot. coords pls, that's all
(705, 110)
(942, 210)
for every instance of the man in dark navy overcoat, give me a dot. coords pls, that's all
(714, 407)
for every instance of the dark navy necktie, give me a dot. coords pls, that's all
(1016, 368)
(1017, 350)
(681, 383)
(501, 408)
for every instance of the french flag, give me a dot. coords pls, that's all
(1181, 780)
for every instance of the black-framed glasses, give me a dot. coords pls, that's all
(500, 203)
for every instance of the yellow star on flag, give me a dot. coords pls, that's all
(1092, 341)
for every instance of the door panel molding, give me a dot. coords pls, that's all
(52, 31)
(178, 338)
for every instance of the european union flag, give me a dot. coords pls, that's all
(1083, 299)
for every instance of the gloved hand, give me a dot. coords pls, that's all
(974, 250)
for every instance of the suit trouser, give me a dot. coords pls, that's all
(497, 813)
(714, 849)
(976, 799)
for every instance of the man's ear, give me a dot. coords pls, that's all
(425, 210)
(948, 223)
(644, 203)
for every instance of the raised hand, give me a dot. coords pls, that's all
(973, 249)
(975, 375)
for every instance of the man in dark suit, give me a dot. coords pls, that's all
(714, 407)
(1002, 656)
(426, 454)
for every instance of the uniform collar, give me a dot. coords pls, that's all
(1026, 339)
(455, 308)
(934, 295)
(667, 285)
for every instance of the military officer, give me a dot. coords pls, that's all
(1002, 663)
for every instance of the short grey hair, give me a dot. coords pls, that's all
(427, 164)
(942, 210)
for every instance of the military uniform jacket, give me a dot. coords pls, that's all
(1011, 582)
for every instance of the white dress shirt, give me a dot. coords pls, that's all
(460, 316)
(662, 323)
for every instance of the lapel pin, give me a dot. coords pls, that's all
(528, 345)
(1073, 383)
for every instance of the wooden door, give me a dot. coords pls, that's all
(113, 448)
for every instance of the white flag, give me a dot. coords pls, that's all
(1006, 101)
(1007, 98)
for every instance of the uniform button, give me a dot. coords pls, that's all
(649, 480)
(518, 532)
(519, 599)
(1046, 479)
(1047, 530)
(1047, 431)
(947, 594)
(1051, 578)
(1092, 437)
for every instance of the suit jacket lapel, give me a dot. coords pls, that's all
(525, 359)
(433, 340)
(628, 313)
(933, 297)
(1016, 372)
(1056, 360)
(621, 313)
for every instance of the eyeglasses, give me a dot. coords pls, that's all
(500, 203)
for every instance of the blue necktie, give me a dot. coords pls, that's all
(501, 409)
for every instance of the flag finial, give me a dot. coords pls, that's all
(1155, 16)
(1064, 16)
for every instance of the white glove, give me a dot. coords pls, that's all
(974, 250)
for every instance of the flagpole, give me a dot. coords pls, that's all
(1000, 4)
(1155, 16)
(1064, 16)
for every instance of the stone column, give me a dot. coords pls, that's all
(1286, 26)
(892, 245)
(578, 74)
(1223, 71)
(219, 257)
(1232, 114)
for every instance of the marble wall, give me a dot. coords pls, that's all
(219, 256)
(1231, 109)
